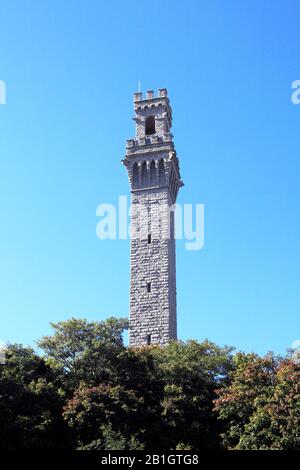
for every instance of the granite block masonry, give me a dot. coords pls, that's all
(154, 178)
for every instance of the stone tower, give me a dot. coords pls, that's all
(154, 179)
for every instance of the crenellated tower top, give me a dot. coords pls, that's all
(153, 114)
(151, 158)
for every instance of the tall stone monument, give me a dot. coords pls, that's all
(154, 178)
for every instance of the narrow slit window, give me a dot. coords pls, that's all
(148, 340)
(148, 287)
(149, 238)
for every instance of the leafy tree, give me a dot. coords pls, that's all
(113, 440)
(104, 415)
(139, 372)
(191, 372)
(173, 388)
(85, 351)
(31, 402)
(89, 391)
(261, 405)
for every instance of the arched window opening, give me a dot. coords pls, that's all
(152, 174)
(144, 175)
(162, 175)
(135, 175)
(172, 225)
(150, 125)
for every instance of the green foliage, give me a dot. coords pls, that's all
(85, 351)
(261, 404)
(90, 392)
(113, 440)
(191, 373)
(92, 411)
(31, 402)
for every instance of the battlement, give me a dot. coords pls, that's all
(162, 93)
(154, 139)
(153, 114)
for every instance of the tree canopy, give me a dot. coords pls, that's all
(87, 390)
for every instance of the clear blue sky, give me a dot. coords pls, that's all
(70, 69)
